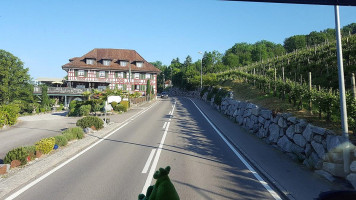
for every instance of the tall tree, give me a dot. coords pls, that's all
(188, 61)
(295, 42)
(14, 79)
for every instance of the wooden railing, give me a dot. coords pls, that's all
(61, 90)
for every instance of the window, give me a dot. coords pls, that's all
(137, 75)
(123, 63)
(139, 64)
(106, 62)
(90, 61)
(80, 72)
(102, 74)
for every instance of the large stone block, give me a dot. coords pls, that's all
(315, 161)
(352, 179)
(255, 111)
(318, 130)
(267, 123)
(290, 131)
(282, 123)
(353, 166)
(247, 113)
(334, 169)
(261, 120)
(299, 140)
(299, 127)
(266, 114)
(273, 133)
(308, 149)
(318, 138)
(239, 120)
(285, 144)
(235, 113)
(262, 133)
(293, 120)
(319, 149)
(308, 133)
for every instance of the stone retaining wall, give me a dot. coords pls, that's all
(317, 148)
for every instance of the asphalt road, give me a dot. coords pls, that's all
(203, 166)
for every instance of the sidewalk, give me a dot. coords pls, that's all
(288, 176)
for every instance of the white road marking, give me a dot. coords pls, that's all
(28, 186)
(164, 125)
(155, 161)
(253, 171)
(145, 169)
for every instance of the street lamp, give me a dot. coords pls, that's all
(201, 70)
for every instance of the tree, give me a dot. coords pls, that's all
(148, 89)
(14, 79)
(45, 99)
(188, 61)
(295, 42)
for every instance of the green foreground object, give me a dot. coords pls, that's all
(163, 189)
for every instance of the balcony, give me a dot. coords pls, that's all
(61, 90)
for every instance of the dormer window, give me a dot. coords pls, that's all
(139, 64)
(123, 63)
(90, 61)
(106, 62)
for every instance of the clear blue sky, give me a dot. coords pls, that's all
(44, 34)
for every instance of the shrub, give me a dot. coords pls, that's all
(42, 109)
(3, 118)
(77, 132)
(45, 145)
(114, 104)
(16, 154)
(90, 121)
(84, 110)
(126, 104)
(61, 140)
(205, 89)
(31, 151)
(12, 113)
(120, 108)
(68, 135)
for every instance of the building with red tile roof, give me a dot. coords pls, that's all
(114, 68)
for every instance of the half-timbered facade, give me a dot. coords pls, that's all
(114, 68)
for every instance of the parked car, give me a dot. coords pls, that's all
(164, 95)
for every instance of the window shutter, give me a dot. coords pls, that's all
(97, 74)
(116, 74)
(106, 74)
(85, 73)
(125, 76)
(76, 73)
(124, 87)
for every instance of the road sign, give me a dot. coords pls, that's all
(315, 2)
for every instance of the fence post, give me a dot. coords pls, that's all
(310, 89)
(284, 80)
(275, 81)
(353, 85)
(254, 80)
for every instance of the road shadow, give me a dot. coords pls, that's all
(203, 142)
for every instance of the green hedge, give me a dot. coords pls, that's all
(120, 108)
(45, 145)
(19, 153)
(73, 133)
(31, 150)
(9, 114)
(84, 110)
(90, 121)
(61, 140)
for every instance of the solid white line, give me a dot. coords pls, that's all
(145, 169)
(253, 171)
(155, 161)
(28, 186)
(164, 125)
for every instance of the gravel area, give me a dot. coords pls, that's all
(19, 177)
